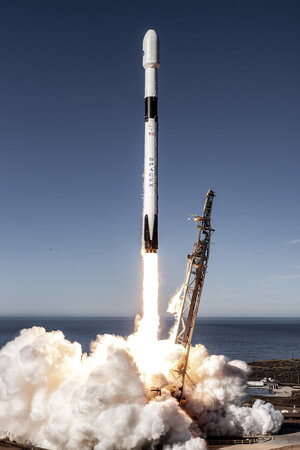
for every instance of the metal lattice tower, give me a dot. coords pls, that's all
(196, 270)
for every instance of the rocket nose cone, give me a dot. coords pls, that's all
(151, 34)
(151, 49)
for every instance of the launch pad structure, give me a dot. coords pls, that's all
(195, 275)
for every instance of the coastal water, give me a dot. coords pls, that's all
(237, 338)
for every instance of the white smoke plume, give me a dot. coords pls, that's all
(174, 308)
(58, 398)
(55, 397)
(215, 390)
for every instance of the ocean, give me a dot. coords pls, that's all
(248, 339)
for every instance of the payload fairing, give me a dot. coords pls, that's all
(150, 209)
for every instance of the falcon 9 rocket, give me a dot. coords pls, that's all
(150, 207)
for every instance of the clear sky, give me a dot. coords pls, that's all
(71, 142)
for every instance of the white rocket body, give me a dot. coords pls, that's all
(150, 209)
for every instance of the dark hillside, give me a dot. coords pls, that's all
(285, 371)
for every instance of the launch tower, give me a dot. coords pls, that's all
(196, 270)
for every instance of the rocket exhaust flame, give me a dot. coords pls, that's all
(148, 327)
(146, 338)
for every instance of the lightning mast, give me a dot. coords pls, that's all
(196, 270)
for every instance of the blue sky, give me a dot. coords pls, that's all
(71, 146)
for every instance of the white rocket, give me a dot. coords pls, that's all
(150, 209)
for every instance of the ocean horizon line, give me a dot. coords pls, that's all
(115, 317)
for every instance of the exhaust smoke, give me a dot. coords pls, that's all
(56, 397)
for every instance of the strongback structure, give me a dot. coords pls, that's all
(196, 270)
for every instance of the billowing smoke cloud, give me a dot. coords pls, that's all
(215, 390)
(58, 398)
